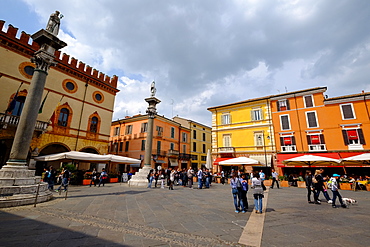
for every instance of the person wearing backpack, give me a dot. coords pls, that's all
(333, 185)
(236, 190)
(65, 175)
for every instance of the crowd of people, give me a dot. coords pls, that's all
(316, 183)
(171, 177)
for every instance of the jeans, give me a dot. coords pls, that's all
(258, 202)
(238, 200)
(325, 193)
(51, 184)
(208, 182)
(101, 181)
(64, 184)
(150, 182)
(309, 191)
(200, 183)
(273, 182)
(335, 195)
(244, 199)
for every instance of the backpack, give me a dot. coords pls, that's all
(330, 184)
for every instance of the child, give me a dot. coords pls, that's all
(333, 185)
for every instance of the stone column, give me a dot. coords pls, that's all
(140, 178)
(15, 178)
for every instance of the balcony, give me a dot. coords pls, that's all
(12, 121)
(173, 153)
(226, 150)
(290, 148)
(317, 147)
(184, 156)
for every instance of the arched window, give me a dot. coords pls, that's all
(94, 124)
(63, 117)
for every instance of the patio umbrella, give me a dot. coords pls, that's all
(309, 160)
(209, 160)
(364, 158)
(239, 161)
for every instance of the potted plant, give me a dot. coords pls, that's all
(301, 183)
(368, 185)
(283, 181)
(113, 178)
(345, 185)
(268, 181)
(87, 178)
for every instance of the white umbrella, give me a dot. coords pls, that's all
(362, 157)
(209, 160)
(239, 161)
(74, 155)
(309, 159)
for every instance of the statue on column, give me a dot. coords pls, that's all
(152, 89)
(54, 23)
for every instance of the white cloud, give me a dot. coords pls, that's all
(207, 53)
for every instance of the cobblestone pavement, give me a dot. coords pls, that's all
(117, 215)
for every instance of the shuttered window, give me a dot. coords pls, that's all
(311, 119)
(347, 111)
(284, 122)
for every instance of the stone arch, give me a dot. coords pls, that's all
(90, 149)
(50, 148)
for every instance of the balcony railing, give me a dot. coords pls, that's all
(317, 147)
(173, 153)
(12, 121)
(184, 156)
(159, 153)
(291, 148)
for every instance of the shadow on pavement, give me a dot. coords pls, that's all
(17, 230)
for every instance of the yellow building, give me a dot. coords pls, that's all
(78, 101)
(200, 141)
(243, 129)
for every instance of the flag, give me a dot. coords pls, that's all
(14, 101)
(43, 102)
(53, 116)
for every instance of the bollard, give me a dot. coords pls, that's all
(37, 194)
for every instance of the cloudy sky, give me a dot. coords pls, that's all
(204, 53)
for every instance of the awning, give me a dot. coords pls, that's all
(239, 161)
(74, 155)
(173, 162)
(217, 161)
(310, 160)
(160, 161)
(262, 159)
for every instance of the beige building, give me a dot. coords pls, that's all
(200, 141)
(77, 103)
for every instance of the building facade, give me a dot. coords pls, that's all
(171, 145)
(243, 129)
(308, 122)
(200, 141)
(76, 101)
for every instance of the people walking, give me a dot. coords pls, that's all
(150, 177)
(309, 186)
(236, 190)
(162, 177)
(257, 192)
(262, 177)
(222, 177)
(156, 177)
(320, 187)
(275, 178)
(65, 180)
(93, 177)
(190, 177)
(333, 185)
(103, 177)
(172, 179)
(200, 178)
(244, 181)
(208, 177)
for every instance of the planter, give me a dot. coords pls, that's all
(113, 180)
(267, 182)
(301, 184)
(284, 183)
(218, 180)
(195, 179)
(368, 187)
(346, 186)
(86, 182)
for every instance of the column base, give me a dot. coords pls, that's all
(140, 178)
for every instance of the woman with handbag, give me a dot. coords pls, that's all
(257, 192)
(236, 190)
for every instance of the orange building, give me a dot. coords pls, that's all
(171, 141)
(308, 122)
